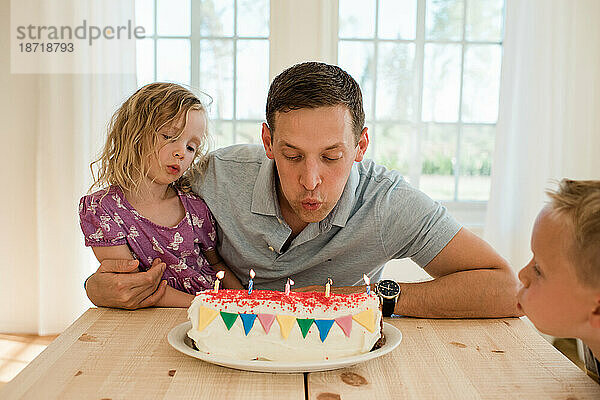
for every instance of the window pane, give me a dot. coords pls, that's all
(216, 76)
(481, 83)
(144, 15)
(216, 18)
(444, 19)
(173, 17)
(476, 154)
(220, 134)
(253, 18)
(395, 81)
(438, 152)
(356, 18)
(173, 60)
(248, 132)
(397, 19)
(392, 146)
(357, 58)
(484, 20)
(144, 58)
(441, 82)
(252, 78)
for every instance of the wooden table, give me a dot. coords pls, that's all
(117, 354)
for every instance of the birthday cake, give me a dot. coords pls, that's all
(268, 325)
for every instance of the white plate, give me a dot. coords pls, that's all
(180, 341)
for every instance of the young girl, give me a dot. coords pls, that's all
(145, 209)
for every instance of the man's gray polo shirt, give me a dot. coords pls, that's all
(378, 218)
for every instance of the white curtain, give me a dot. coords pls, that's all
(73, 118)
(549, 119)
(44, 288)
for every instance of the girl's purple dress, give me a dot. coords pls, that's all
(107, 219)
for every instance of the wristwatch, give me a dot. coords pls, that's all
(388, 291)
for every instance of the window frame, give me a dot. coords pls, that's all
(417, 125)
(321, 16)
(195, 38)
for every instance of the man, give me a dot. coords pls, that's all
(307, 206)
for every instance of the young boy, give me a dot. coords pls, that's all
(561, 283)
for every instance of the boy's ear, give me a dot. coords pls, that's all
(595, 315)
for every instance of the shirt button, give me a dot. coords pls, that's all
(271, 248)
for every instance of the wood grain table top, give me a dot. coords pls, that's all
(119, 354)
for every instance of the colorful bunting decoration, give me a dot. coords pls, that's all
(205, 317)
(345, 323)
(285, 324)
(366, 319)
(304, 324)
(228, 319)
(266, 320)
(324, 325)
(248, 321)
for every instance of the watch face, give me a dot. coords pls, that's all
(388, 288)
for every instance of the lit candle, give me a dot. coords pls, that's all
(287, 286)
(368, 283)
(328, 287)
(220, 276)
(251, 282)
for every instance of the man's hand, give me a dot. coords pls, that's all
(119, 284)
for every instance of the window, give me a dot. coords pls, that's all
(429, 71)
(430, 75)
(218, 46)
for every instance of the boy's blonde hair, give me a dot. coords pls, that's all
(133, 137)
(580, 201)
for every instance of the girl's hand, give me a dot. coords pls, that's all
(175, 298)
(230, 281)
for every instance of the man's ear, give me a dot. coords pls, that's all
(266, 139)
(595, 315)
(363, 143)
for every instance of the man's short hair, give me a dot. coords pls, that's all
(580, 201)
(312, 85)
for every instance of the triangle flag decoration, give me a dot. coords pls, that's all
(205, 317)
(366, 319)
(285, 324)
(304, 324)
(345, 323)
(324, 325)
(248, 321)
(266, 320)
(228, 318)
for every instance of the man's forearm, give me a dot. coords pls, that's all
(479, 293)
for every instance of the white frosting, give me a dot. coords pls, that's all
(217, 340)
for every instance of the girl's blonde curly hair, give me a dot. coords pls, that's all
(133, 137)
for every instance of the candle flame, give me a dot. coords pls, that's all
(252, 274)
(291, 282)
(329, 281)
(220, 274)
(366, 279)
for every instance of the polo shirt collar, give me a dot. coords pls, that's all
(341, 212)
(264, 196)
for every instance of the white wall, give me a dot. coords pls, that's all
(19, 270)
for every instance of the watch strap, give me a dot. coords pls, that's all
(387, 307)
